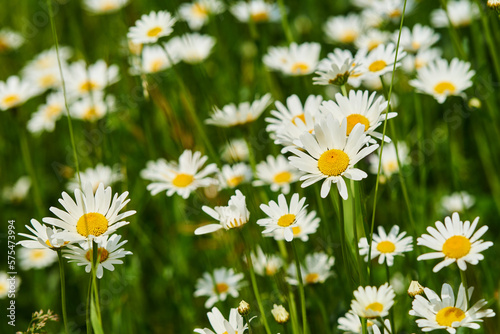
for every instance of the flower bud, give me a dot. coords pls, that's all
(415, 289)
(243, 308)
(280, 314)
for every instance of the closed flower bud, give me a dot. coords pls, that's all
(243, 308)
(280, 314)
(415, 289)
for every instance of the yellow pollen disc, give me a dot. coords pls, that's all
(107, 6)
(222, 287)
(300, 68)
(369, 323)
(102, 255)
(53, 111)
(395, 13)
(296, 230)
(92, 223)
(3, 46)
(448, 315)
(199, 10)
(376, 306)
(286, 220)
(373, 44)
(47, 80)
(282, 177)
(182, 180)
(37, 254)
(348, 36)
(90, 114)
(456, 247)
(87, 86)
(302, 117)
(354, 119)
(235, 180)
(311, 278)
(260, 17)
(235, 332)
(415, 45)
(153, 32)
(156, 65)
(419, 63)
(377, 65)
(445, 86)
(11, 99)
(270, 270)
(386, 247)
(333, 162)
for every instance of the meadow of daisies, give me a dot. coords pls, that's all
(254, 166)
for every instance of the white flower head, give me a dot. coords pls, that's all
(233, 176)
(380, 60)
(92, 108)
(220, 325)
(198, 12)
(265, 264)
(36, 258)
(389, 164)
(235, 150)
(343, 29)
(81, 80)
(460, 13)
(10, 40)
(149, 28)
(457, 202)
(45, 118)
(295, 60)
(104, 6)
(99, 174)
(419, 38)
(386, 246)
(256, 10)
(42, 237)
(192, 48)
(372, 302)
(276, 172)
(217, 286)
(316, 270)
(18, 191)
(245, 112)
(14, 92)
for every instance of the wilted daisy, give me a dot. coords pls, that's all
(109, 253)
(441, 79)
(235, 214)
(343, 29)
(372, 302)
(6, 282)
(42, 237)
(198, 12)
(295, 60)
(455, 241)
(151, 27)
(389, 164)
(307, 225)
(460, 14)
(330, 155)
(220, 325)
(235, 150)
(448, 313)
(419, 38)
(93, 107)
(192, 48)
(380, 60)
(276, 172)
(14, 92)
(245, 112)
(100, 174)
(317, 269)
(36, 258)
(351, 323)
(256, 10)
(220, 284)
(45, 118)
(92, 215)
(10, 40)
(372, 38)
(457, 202)
(386, 246)
(265, 264)
(81, 80)
(283, 217)
(104, 6)
(154, 59)
(182, 178)
(421, 59)
(233, 176)
(18, 191)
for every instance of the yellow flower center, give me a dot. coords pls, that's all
(445, 86)
(199, 10)
(235, 180)
(373, 44)
(448, 315)
(11, 99)
(456, 247)
(51, 246)
(221, 287)
(386, 247)
(282, 177)
(236, 222)
(302, 117)
(53, 111)
(376, 307)
(92, 223)
(108, 6)
(3, 45)
(102, 255)
(391, 166)
(270, 270)
(153, 32)
(286, 220)
(37, 254)
(377, 65)
(47, 80)
(348, 36)
(88, 85)
(260, 17)
(182, 180)
(354, 119)
(156, 65)
(296, 230)
(312, 278)
(395, 13)
(333, 162)
(415, 45)
(300, 68)
(90, 114)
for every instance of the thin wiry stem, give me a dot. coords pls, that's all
(63, 290)
(301, 290)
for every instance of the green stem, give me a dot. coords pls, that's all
(301, 289)
(25, 151)
(95, 288)
(284, 22)
(344, 90)
(463, 278)
(87, 310)
(247, 320)
(453, 33)
(364, 326)
(391, 312)
(489, 39)
(63, 290)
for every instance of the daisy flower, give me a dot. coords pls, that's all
(330, 155)
(154, 59)
(92, 215)
(233, 176)
(280, 314)
(372, 38)
(93, 107)
(455, 241)
(221, 326)
(338, 58)
(182, 178)
(192, 48)
(460, 13)
(446, 312)
(316, 269)
(380, 60)
(457, 202)
(47, 59)
(343, 29)
(351, 323)
(45, 118)
(18, 191)
(296, 60)
(419, 38)
(198, 12)
(10, 40)
(276, 172)
(14, 92)
(42, 237)
(36, 258)
(81, 80)
(220, 284)
(307, 225)
(336, 69)
(389, 164)
(109, 253)
(372, 302)
(493, 4)
(44, 79)
(386, 328)
(386, 246)
(151, 27)
(256, 10)
(245, 112)
(235, 150)
(235, 214)
(392, 9)
(8, 284)
(441, 79)
(282, 217)
(104, 6)
(411, 62)
(265, 264)
(95, 176)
